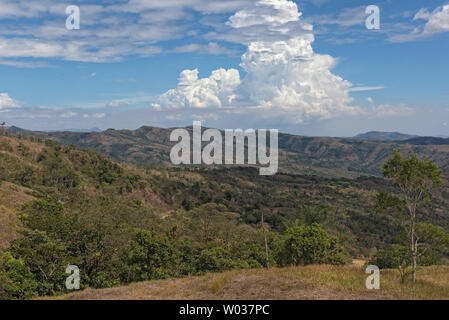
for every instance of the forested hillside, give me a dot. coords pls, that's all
(329, 157)
(121, 223)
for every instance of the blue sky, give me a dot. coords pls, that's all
(305, 67)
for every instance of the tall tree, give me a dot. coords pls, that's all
(414, 178)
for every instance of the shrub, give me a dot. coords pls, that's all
(16, 280)
(303, 245)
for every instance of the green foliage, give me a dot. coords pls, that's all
(153, 253)
(313, 214)
(16, 280)
(412, 174)
(44, 215)
(434, 236)
(215, 259)
(392, 257)
(45, 257)
(413, 179)
(121, 224)
(385, 201)
(303, 245)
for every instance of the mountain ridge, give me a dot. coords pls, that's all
(324, 156)
(384, 136)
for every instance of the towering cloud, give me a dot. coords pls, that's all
(283, 73)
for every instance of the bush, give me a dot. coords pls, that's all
(16, 280)
(153, 255)
(303, 245)
(215, 259)
(399, 256)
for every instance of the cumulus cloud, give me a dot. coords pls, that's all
(215, 91)
(437, 21)
(283, 72)
(6, 102)
(262, 14)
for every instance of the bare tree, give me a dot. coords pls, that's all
(413, 179)
(266, 242)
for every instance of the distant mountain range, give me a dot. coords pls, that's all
(323, 156)
(384, 136)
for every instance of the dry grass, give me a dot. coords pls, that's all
(294, 283)
(12, 197)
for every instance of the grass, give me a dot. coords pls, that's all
(304, 283)
(12, 197)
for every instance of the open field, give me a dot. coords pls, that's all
(315, 282)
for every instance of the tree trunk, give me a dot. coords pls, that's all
(149, 266)
(266, 244)
(414, 246)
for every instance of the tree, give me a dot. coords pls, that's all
(46, 258)
(413, 179)
(307, 245)
(394, 256)
(154, 254)
(16, 280)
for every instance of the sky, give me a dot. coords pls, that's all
(312, 67)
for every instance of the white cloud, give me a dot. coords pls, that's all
(215, 91)
(68, 114)
(346, 18)
(117, 103)
(283, 73)
(288, 75)
(366, 88)
(262, 14)
(156, 107)
(6, 102)
(93, 74)
(24, 64)
(437, 21)
(210, 48)
(387, 110)
(99, 115)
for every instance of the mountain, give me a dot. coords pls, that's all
(384, 136)
(323, 156)
(62, 205)
(422, 141)
(94, 129)
(42, 170)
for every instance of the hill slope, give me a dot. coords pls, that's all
(75, 177)
(93, 212)
(330, 157)
(294, 283)
(384, 136)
